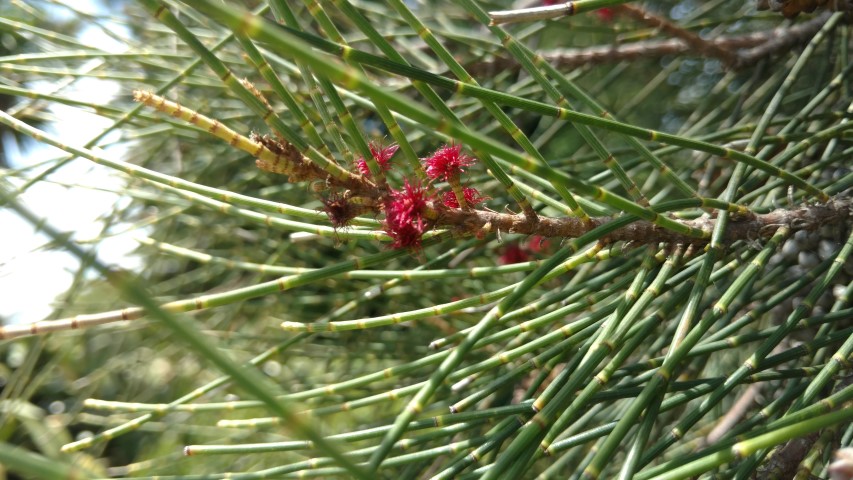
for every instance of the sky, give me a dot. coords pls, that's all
(77, 198)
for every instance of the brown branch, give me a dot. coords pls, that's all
(792, 8)
(760, 45)
(784, 40)
(362, 196)
(787, 457)
(693, 41)
(808, 217)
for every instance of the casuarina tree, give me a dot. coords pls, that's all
(594, 239)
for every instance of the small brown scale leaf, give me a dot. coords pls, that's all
(290, 160)
(341, 209)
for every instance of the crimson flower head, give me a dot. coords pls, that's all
(404, 215)
(381, 154)
(472, 197)
(447, 162)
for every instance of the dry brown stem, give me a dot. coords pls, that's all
(692, 40)
(807, 217)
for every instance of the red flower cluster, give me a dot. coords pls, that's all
(404, 215)
(472, 197)
(447, 162)
(381, 154)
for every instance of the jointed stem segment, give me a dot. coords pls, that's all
(274, 156)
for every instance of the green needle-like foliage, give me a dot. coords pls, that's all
(425, 239)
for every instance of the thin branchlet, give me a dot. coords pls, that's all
(412, 211)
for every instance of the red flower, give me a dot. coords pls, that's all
(472, 197)
(381, 154)
(513, 253)
(447, 162)
(404, 215)
(537, 243)
(605, 14)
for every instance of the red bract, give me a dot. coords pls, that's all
(381, 154)
(447, 162)
(472, 197)
(404, 215)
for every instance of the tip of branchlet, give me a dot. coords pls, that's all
(447, 163)
(140, 95)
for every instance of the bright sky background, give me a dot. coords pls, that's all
(76, 198)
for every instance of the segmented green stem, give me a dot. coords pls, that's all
(407, 275)
(503, 119)
(278, 222)
(160, 178)
(827, 404)
(748, 447)
(208, 301)
(248, 379)
(664, 373)
(177, 79)
(573, 302)
(527, 60)
(267, 72)
(161, 410)
(761, 352)
(163, 14)
(385, 114)
(259, 28)
(438, 310)
(558, 406)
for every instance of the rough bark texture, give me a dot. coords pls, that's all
(807, 217)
